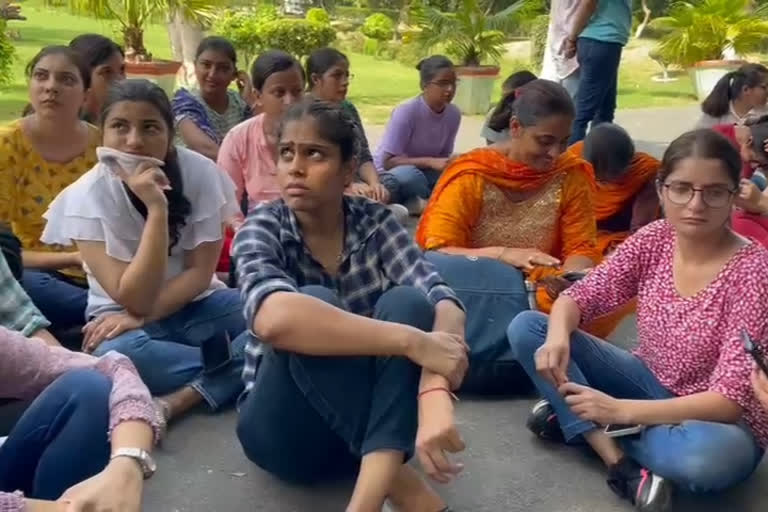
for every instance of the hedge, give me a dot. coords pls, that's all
(360, 13)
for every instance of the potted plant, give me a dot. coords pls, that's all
(709, 37)
(474, 36)
(133, 16)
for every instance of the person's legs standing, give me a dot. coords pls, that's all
(61, 302)
(698, 456)
(571, 84)
(61, 439)
(493, 294)
(612, 60)
(594, 61)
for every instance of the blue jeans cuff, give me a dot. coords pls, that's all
(197, 385)
(577, 428)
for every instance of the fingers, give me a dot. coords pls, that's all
(571, 388)
(427, 465)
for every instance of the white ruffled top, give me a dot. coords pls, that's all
(96, 208)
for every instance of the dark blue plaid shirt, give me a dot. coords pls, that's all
(378, 254)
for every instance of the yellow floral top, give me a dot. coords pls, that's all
(28, 183)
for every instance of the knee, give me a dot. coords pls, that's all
(322, 293)
(128, 344)
(406, 305)
(90, 389)
(526, 333)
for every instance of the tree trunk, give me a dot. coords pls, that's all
(185, 36)
(646, 19)
(134, 44)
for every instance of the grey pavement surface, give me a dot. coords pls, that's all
(202, 468)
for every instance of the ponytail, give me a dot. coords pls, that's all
(730, 87)
(530, 103)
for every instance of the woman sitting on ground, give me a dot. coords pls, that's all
(625, 184)
(749, 219)
(249, 150)
(106, 61)
(506, 221)
(340, 392)
(501, 130)
(328, 76)
(205, 116)
(737, 96)
(700, 286)
(420, 136)
(86, 438)
(40, 155)
(148, 220)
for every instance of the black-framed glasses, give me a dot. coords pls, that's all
(446, 84)
(714, 196)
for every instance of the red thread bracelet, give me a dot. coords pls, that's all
(440, 388)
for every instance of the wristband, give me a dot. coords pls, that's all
(440, 388)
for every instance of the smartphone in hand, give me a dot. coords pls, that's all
(753, 350)
(618, 430)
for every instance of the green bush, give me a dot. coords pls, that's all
(297, 37)
(7, 55)
(346, 26)
(539, 29)
(409, 54)
(243, 27)
(318, 15)
(360, 13)
(351, 42)
(378, 26)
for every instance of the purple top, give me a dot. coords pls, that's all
(28, 366)
(415, 130)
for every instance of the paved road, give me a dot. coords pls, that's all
(202, 468)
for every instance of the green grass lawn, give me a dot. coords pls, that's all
(377, 87)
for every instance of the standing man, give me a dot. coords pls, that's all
(600, 30)
(557, 67)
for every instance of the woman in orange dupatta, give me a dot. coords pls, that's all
(506, 222)
(625, 197)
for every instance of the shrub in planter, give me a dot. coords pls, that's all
(539, 29)
(318, 15)
(378, 26)
(297, 37)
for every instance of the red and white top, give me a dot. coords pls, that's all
(691, 344)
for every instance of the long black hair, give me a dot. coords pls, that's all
(321, 60)
(271, 62)
(703, 143)
(333, 124)
(431, 66)
(179, 207)
(730, 87)
(95, 49)
(82, 68)
(510, 86)
(220, 45)
(759, 130)
(530, 103)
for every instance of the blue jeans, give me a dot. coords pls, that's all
(408, 181)
(598, 81)
(60, 301)
(493, 293)
(61, 439)
(310, 418)
(699, 456)
(167, 353)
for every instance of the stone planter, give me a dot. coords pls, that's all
(706, 73)
(162, 72)
(473, 95)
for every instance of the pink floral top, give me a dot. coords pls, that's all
(246, 156)
(28, 366)
(691, 344)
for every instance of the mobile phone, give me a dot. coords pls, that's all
(216, 352)
(574, 275)
(753, 350)
(618, 430)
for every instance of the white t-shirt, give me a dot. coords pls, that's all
(96, 208)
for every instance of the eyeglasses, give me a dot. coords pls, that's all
(340, 75)
(714, 196)
(446, 84)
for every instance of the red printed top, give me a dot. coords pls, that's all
(691, 344)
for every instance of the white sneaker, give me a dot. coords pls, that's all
(400, 212)
(415, 205)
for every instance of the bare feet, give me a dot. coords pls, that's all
(411, 493)
(179, 402)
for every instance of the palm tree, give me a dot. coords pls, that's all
(708, 29)
(133, 16)
(473, 33)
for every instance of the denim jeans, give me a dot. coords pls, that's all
(493, 293)
(699, 456)
(61, 439)
(167, 353)
(598, 80)
(60, 301)
(408, 181)
(310, 418)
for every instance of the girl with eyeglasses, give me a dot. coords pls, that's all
(699, 286)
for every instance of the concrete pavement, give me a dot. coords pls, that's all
(202, 468)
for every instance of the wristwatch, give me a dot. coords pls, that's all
(145, 460)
